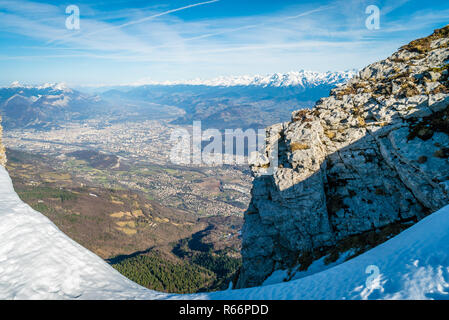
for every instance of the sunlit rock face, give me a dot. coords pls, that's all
(372, 155)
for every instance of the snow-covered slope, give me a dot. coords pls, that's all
(303, 78)
(37, 261)
(413, 265)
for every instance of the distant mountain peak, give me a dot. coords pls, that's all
(49, 86)
(15, 84)
(300, 78)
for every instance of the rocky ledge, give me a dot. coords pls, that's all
(365, 163)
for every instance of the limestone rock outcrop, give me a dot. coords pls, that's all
(373, 155)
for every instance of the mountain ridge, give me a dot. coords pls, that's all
(43, 106)
(358, 168)
(300, 78)
(278, 79)
(222, 103)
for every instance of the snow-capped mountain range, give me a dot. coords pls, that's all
(42, 105)
(300, 78)
(236, 101)
(60, 87)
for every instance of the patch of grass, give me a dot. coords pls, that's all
(440, 69)
(442, 153)
(425, 128)
(330, 134)
(408, 89)
(422, 159)
(401, 76)
(358, 244)
(39, 193)
(423, 45)
(43, 208)
(440, 89)
(302, 115)
(344, 91)
(383, 89)
(361, 121)
(295, 146)
(399, 60)
(380, 192)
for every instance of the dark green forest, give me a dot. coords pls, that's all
(199, 272)
(162, 275)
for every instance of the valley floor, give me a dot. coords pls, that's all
(158, 247)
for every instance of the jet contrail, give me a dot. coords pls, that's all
(208, 35)
(143, 19)
(154, 16)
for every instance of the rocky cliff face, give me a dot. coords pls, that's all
(363, 164)
(2, 147)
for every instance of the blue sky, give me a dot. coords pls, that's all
(122, 42)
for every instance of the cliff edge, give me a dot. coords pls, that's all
(364, 164)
